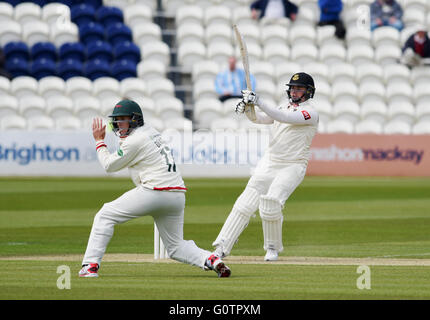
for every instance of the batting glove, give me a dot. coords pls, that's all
(249, 97)
(240, 107)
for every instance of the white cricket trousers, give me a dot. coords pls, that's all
(167, 209)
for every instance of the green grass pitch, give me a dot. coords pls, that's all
(337, 217)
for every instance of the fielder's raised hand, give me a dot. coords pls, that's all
(99, 130)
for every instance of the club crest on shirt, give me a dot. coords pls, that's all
(306, 115)
(120, 152)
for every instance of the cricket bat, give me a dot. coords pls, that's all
(245, 61)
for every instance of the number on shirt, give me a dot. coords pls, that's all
(167, 153)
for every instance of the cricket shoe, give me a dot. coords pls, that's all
(216, 264)
(271, 255)
(89, 270)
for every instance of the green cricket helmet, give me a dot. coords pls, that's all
(303, 80)
(126, 108)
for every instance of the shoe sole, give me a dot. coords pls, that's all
(89, 275)
(223, 271)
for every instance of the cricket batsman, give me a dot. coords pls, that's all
(159, 191)
(281, 169)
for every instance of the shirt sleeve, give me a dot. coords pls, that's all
(303, 116)
(121, 159)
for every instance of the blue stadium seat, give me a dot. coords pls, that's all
(91, 32)
(40, 2)
(68, 3)
(95, 3)
(122, 69)
(16, 49)
(70, 68)
(45, 50)
(109, 15)
(117, 33)
(72, 50)
(82, 14)
(96, 69)
(101, 50)
(127, 51)
(13, 2)
(17, 67)
(43, 68)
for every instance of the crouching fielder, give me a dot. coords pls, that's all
(159, 192)
(281, 169)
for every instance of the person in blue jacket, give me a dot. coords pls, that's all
(273, 9)
(386, 13)
(330, 15)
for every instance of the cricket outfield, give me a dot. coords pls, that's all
(332, 227)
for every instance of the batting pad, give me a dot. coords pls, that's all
(238, 220)
(271, 217)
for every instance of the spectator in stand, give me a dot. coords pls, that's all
(3, 71)
(386, 13)
(416, 51)
(229, 83)
(273, 11)
(330, 15)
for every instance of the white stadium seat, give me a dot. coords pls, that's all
(132, 88)
(189, 14)
(87, 108)
(217, 15)
(285, 70)
(148, 107)
(326, 36)
(370, 73)
(340, 126)
(347, 110)
(24, 85)
(206, 110)
(151, 69)
(55, 13)
(358, 37)
(359, 55)
(342, 72)
(145, 33)
(420, 74)
(325, 110)
(78, 86)
(135, 14)
(68, 123)
(51, 86)
(397, 127)
(6, 12)
(59, 106)
(372, 92)
(105, 87)
(422, 5)
(13, 122)
(399, 93)
(318, 70)
(396, 73)
(205, 69)
(157, 50)
(34, 32)
(266, 89)
(255, 52)
(156, 123)
(368, 127)
(387, 54)
(32, 106)
(304, 53)
(41, 123)
(306, 16)
(421, 127)
(276, 53)
(263, 71)
(4, 85)
(190, 32)
(180, 124)
(273, 34)
(241, 15)
(251, 34)
(160, 88)
(302, 34)
(11, 31)
(374, 111)
(385, 36)
(60, 34)
(219, 53)
(421, 93)
(423, 111)
(8, 106)
(344, 92)
(204, 89)
(27, 12)
(323, 91)
(107, 105)
(218, 33)
(401, 111)
(190, 53)
(332, 54)
(413, 16)
(169, 108)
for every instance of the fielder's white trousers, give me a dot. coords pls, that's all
(167, 209)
